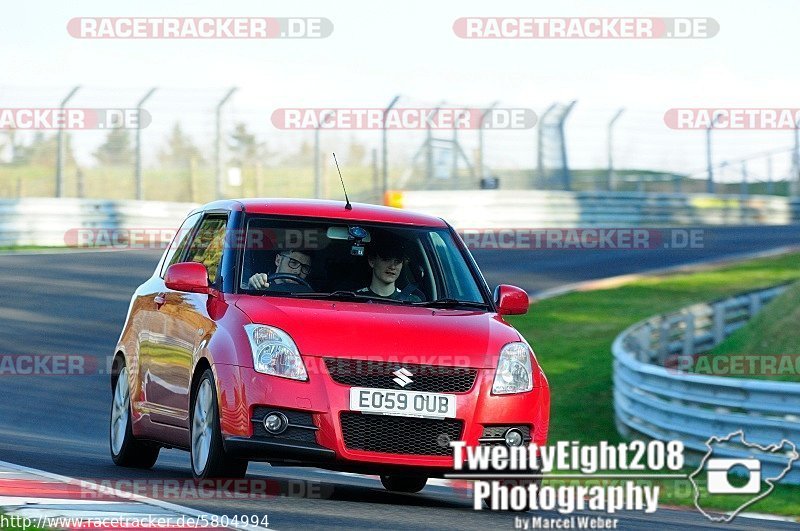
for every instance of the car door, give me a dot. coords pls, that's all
(186, 322)
(150, 322)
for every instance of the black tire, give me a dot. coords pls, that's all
(406, 484)
(127, 451)
(217, 464)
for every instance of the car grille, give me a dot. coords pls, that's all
(400, 435)
(379, 374)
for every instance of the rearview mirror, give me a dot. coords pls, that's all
(187, 276)
(511, 300)
(341, 232)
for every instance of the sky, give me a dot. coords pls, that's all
(380, 49)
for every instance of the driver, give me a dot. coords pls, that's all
(295, 263)
(386, 262)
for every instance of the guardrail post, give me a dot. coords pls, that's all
(688, 335)
(663, 341)
(755, 304)
(645, 350)
(718, 329)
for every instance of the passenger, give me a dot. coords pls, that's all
(386, 262)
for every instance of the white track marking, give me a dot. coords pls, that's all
(122, 494)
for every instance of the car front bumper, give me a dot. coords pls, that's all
(243, 392)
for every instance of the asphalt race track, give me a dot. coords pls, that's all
(75, 303)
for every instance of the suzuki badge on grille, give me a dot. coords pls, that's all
(402, 377)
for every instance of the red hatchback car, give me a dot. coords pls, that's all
(313, 333)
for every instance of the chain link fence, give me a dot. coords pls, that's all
(201, 144)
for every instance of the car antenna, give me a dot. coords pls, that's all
(348, 206)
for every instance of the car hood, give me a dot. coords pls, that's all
(385, 332)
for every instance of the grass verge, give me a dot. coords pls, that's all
(772, 336)
(14, 248)
(572, 336)
(10, 523)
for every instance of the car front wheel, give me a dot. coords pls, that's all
(125, 449)
(208, 454)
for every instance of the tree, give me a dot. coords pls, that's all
(246, 151)
(356, 153)
(303, 156)
(180, 150)
(7, 147)
(116, 150)
(42, 150)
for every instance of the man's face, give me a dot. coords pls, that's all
(293, 263)
(386, 269)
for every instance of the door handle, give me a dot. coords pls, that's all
(160, 300)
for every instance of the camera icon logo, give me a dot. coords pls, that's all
(759, 467)
(717, 474)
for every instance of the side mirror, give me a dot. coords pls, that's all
(511, 300)
(187, 276)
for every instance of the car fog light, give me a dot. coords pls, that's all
(513, 437)
(276, 423)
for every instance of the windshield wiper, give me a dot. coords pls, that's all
(344, 295)
(452, 303)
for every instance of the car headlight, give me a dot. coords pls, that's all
(275, 353)
(514, 373)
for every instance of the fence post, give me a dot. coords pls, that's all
(770, 181)
(317, 169)
(709, 158)
(566, 177)
(540, 148)
(743, 185)
(610, 184)
(218, 144)
(81, 185)
(375, 175)
(138, 169)
(794, 179)
(480, 139)
(60, 148)
(385, 149)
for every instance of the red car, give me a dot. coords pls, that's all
(313, 333)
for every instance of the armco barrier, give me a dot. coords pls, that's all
(45, 221)
(653, 401)
(543, 209)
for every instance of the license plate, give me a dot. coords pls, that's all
(403, 403)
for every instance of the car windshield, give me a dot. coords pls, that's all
(357, 261)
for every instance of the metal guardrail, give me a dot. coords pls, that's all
(46, 221)
(543, 209)
(652, 400)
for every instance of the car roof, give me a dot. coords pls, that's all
(318, 208)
